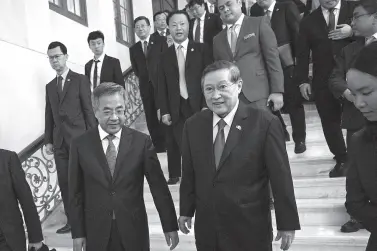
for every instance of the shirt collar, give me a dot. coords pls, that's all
(374, 35)
(147, 39)
(165, 31)
(239, 21)
(228, 118)
(184, 44)
(100, 58)
(272, 6)
(203, 16)
(64, 74)
(337, 7)
(103, 134)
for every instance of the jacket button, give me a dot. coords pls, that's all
(112, 193)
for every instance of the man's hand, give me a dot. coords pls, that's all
(306, 91)
(49, 149)
(159, 115)
(342, 31)
(287, 239)
(182, 224)
(277, 99)
(172, 239)
(166, 119)
(79, 244)
(348, 95)
(36, 246)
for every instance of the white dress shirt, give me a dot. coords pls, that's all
(271, 8)
(165, 32)
(99, 68)
(326, 13)
(238, 28)
(105, 141)
(209, 5)
(142, 42)
(228, 120)
(184, 47)
(202, 19)
(370, 39)
(64, 75)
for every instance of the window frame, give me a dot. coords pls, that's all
(118, 23)
(63, 10)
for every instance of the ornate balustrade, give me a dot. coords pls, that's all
(40, 169)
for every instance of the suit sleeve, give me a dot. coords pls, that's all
(293, 20)
(357, 203)
(276, 159)
(302, 55)
(187, 189)
(86, 102)
(118, 75)
(270, 53)
(337, 80)
(159, 189)
(162, 90)
(214, 49)
(25, 198)
(87, 70)
(76, 193)
(133, 63)
(49, 121)
(207, 60)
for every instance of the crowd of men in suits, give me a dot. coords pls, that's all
(212, 86)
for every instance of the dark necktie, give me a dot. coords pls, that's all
(111, 153)
(219, 144)
(95, 74)
(197, 31)
(60, 86)
(331, 25)
(145, 48)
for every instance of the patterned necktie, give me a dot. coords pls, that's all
(331, 25)
(182, 73)
(219, 144)
(111, 153)
(95, 74)
(233, 38)
(145, 48)
(197, 31)
(60, 86)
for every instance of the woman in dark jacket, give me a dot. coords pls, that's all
(361, 200)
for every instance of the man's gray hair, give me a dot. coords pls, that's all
(107, 89)
(235, 74)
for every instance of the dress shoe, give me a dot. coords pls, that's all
(173, 181)
(300, 147)
(64, 230)
(351, 226)
(287, 136)
(337, 171)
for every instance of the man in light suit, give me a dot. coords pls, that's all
(102, 68)
(68, 114)
(106, 180)
(230, 154)
(250, 43)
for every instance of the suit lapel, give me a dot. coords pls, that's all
(97, 144)
(173, 57)
(224, 38)
(67, 83)
(54, 91)
(207, 19)
(241, 34)
(206, 133)
(189, 54)
(234, 134)
(124, 147)
(274, 13)
(321, 19)
(103, 68)
(343, 13)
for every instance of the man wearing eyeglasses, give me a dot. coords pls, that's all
(230, 153)
(68, 114)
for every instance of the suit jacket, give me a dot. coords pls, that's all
(212, 26)
(300, 5)
(15, 191)
(314, 36)
(197, 58)
(95, 194)
(234, 199)
(73, 114)
(110, 72)
(146, 69)
(285, 22)
(256, 56)
(352, 118)
(361, 199)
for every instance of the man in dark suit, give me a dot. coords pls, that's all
(211, 7)
(179, 90)
(361, 199)
(102, 68)
(325, 32)
(230, 154)
(159, 19)
(285, 19)
(364, 26)
(145, 57)
(250, 43)
(106, 179)
(205, 26)
(68, 114)
(15, 191)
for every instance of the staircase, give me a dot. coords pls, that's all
(320, 202)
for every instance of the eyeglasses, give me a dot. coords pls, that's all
(221, 88)
(51, 58)
(118, 113)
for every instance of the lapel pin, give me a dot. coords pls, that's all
(239, 127)
(192, 49)
(277, 9)
(151, 42)
(68, 80)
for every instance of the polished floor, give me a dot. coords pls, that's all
(320, 202)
